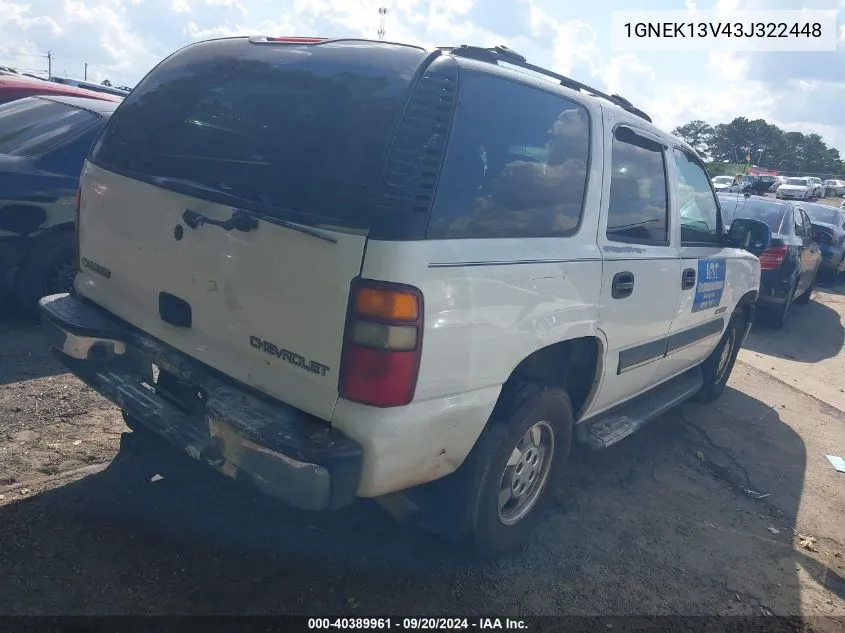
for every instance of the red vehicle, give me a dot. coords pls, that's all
(12, 88)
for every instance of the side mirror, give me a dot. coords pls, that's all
(753, 236)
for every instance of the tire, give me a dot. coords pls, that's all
(779, 315)
(804, 299)
(524, 450)
(47, 269)
(717, 367)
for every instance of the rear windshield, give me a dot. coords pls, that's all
(31, 126)
(818, 213)
(769, 212)
(293, 131)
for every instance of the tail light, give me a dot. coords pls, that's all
(76, 254)
(772, 258)
(383, 344)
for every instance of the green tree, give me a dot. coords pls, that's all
(697, 134)
(768, 145)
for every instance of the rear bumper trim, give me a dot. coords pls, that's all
(286, 453)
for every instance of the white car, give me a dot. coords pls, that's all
(724, 183)
(818, 187)
(834, 187)
(373, 288)
(795, 188)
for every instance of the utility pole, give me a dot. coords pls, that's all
(49, 64)
(383, 13)
(86, 71)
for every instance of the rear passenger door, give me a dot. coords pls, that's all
(704, 282)
(641, 269)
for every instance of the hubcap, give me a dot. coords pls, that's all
(725, 357)
(526, 473)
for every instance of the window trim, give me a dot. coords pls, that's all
(808, 225)
(669, 219)
(720, 223)
(550, 89)
(795, 224)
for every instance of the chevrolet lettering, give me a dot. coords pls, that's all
(292, 357)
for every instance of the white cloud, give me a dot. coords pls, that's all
(122, 39)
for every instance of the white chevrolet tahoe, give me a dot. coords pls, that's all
(346, 268)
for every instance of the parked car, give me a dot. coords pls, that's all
(818, 187)
(337, 329)
(760, 185)
(43, 143)
(833, 188)
(14, 87)
(789, 266)
(795, 188)
(89, 85)
(829, 228)
(724, 183)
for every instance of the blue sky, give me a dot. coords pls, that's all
(122, 39)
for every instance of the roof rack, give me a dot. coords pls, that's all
(498, 54)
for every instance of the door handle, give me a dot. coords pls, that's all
(623, 285)
(688, 279)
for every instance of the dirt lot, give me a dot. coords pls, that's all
(726, 509)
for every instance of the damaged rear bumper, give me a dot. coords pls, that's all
(286, 453)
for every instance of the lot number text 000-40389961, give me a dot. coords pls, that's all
(713, 31)
(417, 624)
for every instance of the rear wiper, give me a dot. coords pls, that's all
(242, 219)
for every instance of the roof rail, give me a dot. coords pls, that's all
(498, 54)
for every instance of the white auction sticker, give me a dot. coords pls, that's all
(719, 31)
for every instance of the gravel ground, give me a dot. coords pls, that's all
(729, 509)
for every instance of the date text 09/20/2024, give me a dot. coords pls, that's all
(416, 624)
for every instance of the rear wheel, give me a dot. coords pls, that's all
(47, 269)
(779, 315)
(717, 368)
(518, 462)
(805, 297)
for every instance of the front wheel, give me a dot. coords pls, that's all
(718, 366)
(520, 459)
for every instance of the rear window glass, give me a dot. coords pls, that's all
(29, 127)
(516, 163)
(287, 130)
(769, 212)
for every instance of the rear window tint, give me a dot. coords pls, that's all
(768, 212)
(516, 163)
(29, 127)
(288, 130)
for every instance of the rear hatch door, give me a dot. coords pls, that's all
(233, 185)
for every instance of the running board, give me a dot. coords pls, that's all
(618, 423)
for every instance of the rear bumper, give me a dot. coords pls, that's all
(286, 453)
